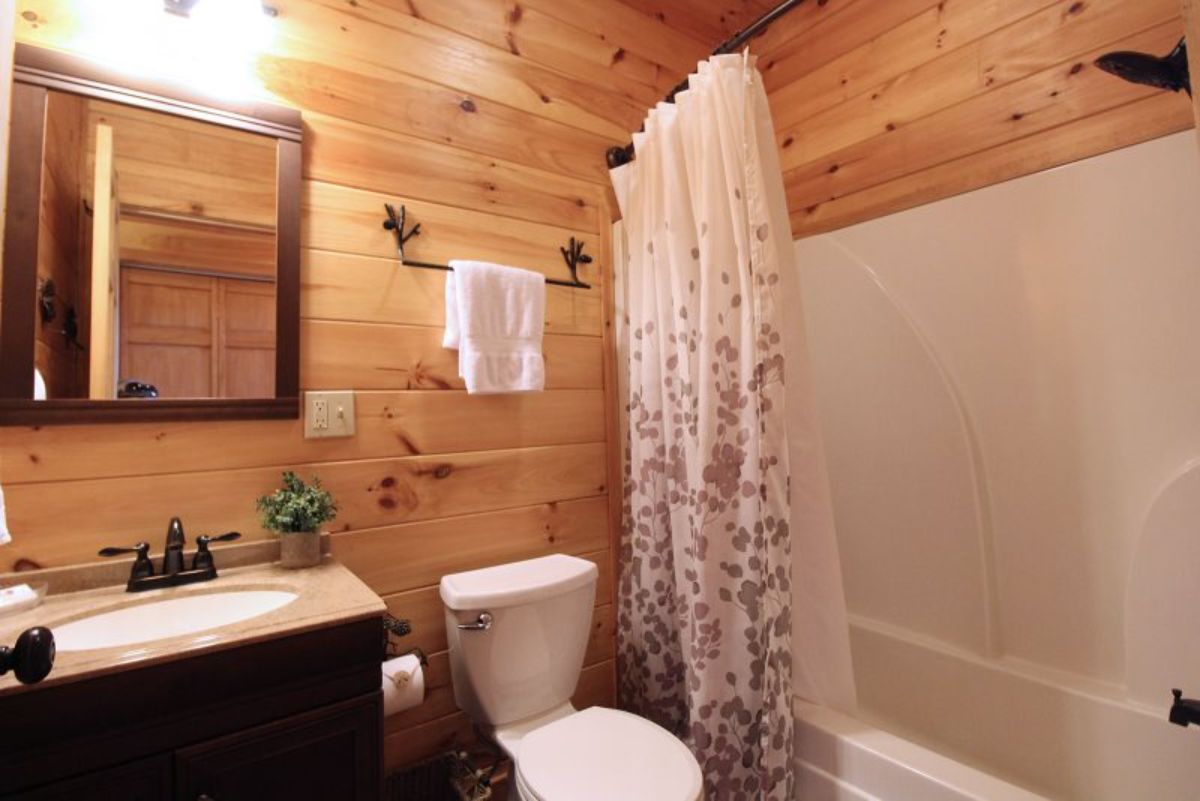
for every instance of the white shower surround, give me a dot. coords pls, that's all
(1009, 386)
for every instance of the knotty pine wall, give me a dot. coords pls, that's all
(489, 119)
(881, 106)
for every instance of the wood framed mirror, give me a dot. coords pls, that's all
(151, 265)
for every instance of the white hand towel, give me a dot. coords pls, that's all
(451, 336)
(495, 320)
(5, 537)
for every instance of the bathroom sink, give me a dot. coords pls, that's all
(163, 618)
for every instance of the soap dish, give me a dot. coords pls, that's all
(20, 597)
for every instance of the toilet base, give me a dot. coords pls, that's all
(509, 736)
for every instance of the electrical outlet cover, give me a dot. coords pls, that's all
(328, 414)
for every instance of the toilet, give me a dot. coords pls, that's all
(518, 633)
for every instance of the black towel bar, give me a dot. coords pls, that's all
(573, 254)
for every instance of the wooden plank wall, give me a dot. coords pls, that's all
(881, 106)
(490, 120)
(61, 257)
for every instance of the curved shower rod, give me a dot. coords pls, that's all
(617, 155)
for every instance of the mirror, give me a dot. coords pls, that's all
(156, 256)
(151, 253)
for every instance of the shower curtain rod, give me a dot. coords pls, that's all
(617, 156)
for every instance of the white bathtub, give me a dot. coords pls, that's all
(939, 724)
(840, 758)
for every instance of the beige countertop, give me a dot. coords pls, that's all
(328, 595)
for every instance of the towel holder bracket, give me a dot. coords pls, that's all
(396, 221)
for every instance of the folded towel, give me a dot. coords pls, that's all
(494, 316)
(453, 331)
(5, 538)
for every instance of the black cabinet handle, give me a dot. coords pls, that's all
(31, 658)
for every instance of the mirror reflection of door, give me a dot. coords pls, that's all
(158, 246)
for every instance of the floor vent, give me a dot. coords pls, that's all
(449, 777)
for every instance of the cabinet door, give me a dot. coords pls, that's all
(333, 753)
(146, 780)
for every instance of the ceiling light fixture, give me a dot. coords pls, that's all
(181, 8)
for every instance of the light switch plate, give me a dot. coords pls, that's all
(328, 414)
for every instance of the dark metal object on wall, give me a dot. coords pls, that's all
(1168, 72)
(573, 254)
(1184, 711)
(70, 328)
(617, 156)
(47, 292)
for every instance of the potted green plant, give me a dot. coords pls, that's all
(296, 513)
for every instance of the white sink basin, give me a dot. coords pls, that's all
(168, 617)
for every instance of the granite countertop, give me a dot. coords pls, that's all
(328, 595)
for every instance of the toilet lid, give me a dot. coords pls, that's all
(601, 754)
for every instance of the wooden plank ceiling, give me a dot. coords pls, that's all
(880, 106)
(710, 21)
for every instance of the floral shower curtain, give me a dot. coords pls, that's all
(705, 573)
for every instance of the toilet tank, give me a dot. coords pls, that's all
(527, 661)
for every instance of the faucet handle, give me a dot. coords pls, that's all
(142, 566)
(229, 536)
(1178, 695)
(203, 559)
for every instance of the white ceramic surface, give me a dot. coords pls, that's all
(517, 583)
(840, 758)
(528, 662)
(1008, 388)
(1047, 730)
(1062, 307)
(1162, 650)
(162, 618)
(623, 757)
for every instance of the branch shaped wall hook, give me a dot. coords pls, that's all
(574, 256)
(395, 222)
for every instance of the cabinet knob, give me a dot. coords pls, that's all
(31, 658)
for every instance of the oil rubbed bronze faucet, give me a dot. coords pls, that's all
(142, 576)
(1184, 710)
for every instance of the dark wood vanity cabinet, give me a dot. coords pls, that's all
(297, 718)
(329, 754)
(144, 780)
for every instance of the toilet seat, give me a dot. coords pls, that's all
(603, 754)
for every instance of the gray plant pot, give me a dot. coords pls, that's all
(299, 549)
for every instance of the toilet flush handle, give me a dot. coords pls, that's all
(482, 623)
